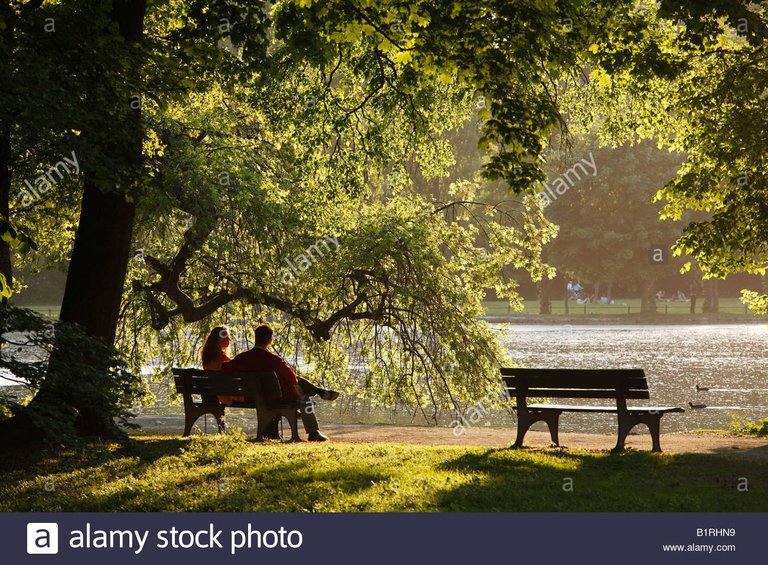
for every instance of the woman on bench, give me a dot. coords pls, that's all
(215, 353)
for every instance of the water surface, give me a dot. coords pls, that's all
(730, 360)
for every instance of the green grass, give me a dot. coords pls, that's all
(50, 310)
(729, 307)
(157, 473)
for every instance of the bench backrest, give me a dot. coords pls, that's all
(619, 384)
(260, 385)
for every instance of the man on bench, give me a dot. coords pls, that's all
(260, 359)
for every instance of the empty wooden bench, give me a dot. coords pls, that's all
(261, 389)
(616, 384)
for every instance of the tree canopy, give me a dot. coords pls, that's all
(709, 104)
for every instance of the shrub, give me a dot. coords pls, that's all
(80, 383)
(742, 427)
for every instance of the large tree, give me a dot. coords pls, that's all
(373, 87)
(97, 72)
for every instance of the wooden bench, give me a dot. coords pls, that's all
(618, 384)
(262, 390)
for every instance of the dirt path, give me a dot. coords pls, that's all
(495, 437)
(489, 437)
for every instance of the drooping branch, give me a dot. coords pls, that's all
(169, 286)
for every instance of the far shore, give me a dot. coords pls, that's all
(626, 319)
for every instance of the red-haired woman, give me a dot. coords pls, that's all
(215, 353)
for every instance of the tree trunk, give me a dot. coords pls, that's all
(96, 274)
(648, 298)
(609, 292)
(711, 297)
(6, 266)
(545, 304)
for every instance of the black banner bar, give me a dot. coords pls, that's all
(371, 539)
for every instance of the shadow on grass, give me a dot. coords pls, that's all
(35, 459)
(544, 480)
(184, 475)
(759, 453)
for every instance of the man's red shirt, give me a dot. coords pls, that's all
(257, 359)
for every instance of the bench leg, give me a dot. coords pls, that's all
(188, 423)
(192, 414)
(553, 421)
(524, 421)
(625, 425)
(654, 425)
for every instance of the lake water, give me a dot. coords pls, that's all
(730, 360)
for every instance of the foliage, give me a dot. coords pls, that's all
(18, 240)
(215, 474)
(741, 427)
(513, 54)
(710, 104)
(87, 375)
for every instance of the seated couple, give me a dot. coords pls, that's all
(216, 358)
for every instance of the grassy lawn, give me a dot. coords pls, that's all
(50, 310)
(224, 473)
(729, 307)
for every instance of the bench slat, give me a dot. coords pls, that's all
(577, 393)
(556, 382)
(576, 378)
(532, 371)
(609, 409)
(192, 372)
(211, 383)
(223, 385)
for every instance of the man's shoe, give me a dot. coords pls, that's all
(328, 394)
(317, 436)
